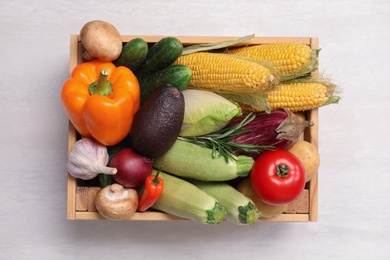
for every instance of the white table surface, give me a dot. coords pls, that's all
(354, 178)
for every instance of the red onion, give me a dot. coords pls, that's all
(132, 167)
(280, 129)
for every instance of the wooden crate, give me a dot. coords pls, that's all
(80, 199)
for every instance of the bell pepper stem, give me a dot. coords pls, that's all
(102, 86)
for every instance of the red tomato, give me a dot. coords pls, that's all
(278, 177)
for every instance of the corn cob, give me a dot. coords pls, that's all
(227, 73)
(292, 60)
(297, 96)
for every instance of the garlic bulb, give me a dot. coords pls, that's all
(87, 159)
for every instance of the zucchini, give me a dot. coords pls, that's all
(192, 161)
(160, 55)
(176, 75)
(183, 199)
(133, 54)
(240, 209)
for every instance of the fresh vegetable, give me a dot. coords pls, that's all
(133, 54)
(132, 167)
(101, 100)
(292, 60)
(175, 75)
(101, 41)
(240, 209)
(116, 203)
(157, 123)
(160, 55)
(279, 129)
(308, 154)
(277, 177)
(297, 95)
(227, 73)
(183, 199)
(87, 159)
(152, 190)
(221, 141)
(114, 149)
(206, 112)
(189, 160)
(267, 211)
(105, 180)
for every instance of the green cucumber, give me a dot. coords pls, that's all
(185, 200)
(160, 55)
(133, 54)
(105, 180)
(240, 209)
(192, 161)
(175, 75)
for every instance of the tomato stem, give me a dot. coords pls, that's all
(282, 170)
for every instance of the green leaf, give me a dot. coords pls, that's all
(220, 141)
(214, 46)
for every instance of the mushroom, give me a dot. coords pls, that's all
(115, 202)
(101, 41)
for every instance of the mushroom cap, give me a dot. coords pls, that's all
(101, 40)
(116, 203)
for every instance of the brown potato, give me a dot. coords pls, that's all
(267, 211)
(308, 154)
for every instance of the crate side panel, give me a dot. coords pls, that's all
(313, 188)
(72, 134)
(188, 40)
(158, 216)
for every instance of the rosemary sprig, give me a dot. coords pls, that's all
(220, 141)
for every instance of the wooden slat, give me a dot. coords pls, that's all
(147, 216)
(71, 198)
(82, 199)
(300, 205)
(313, 184)
(158, 216)
(74, 52)
(92, 191)
(313, 197)
(287, 218)
(188, 40)
(72, 134)
(85, 198)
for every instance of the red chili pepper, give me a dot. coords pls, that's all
(153, 188)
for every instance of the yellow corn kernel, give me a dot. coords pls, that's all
(222, 72)
(297, 96)
(288, 58)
